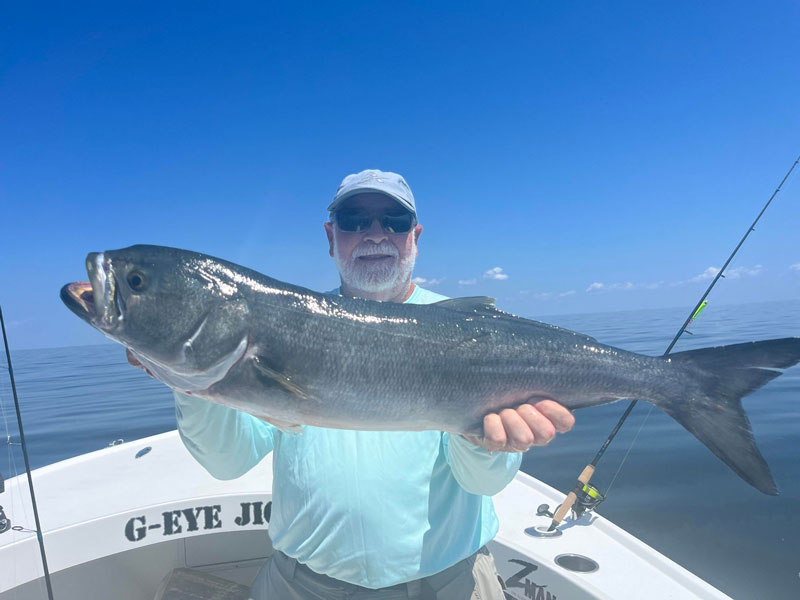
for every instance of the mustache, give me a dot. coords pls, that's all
(375, 249)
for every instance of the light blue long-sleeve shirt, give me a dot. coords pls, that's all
(374, 508)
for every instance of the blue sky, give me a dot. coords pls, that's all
(566, 157)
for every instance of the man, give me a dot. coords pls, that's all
(374, 515)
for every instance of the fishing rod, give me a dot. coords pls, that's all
(586, 495)
(27, 462)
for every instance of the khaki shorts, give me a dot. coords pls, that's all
(283, 578)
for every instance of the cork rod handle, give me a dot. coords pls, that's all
(562, 511)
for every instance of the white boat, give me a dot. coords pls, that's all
(142, 520)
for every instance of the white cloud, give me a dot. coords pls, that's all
(598, 286)
(742, 272)
(467, 281)
(547, 295)
(795, 267)
(426, 281)
(19, 322)
(495, 273)
(709, 273)
(736, 273)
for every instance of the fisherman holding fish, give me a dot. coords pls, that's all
(374, 514)
(413, 408)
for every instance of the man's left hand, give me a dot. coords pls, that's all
(516, 430)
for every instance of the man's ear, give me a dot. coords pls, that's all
(329, 233)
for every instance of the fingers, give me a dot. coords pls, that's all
(494, 433)
(516, 430)
(541, 427)
(561, 418)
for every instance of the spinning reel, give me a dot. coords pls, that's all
(587, 499)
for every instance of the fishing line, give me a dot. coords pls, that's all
(27, 462)
(583, 488)
(11, 464)
(628, 451)
(5, 419)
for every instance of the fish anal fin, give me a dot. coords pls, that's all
(284, 426)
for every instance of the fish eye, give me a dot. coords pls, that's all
(137, 281)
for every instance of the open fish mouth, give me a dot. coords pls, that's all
(79, 298)
(95, 301)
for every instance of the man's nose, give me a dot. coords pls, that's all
(375, 233)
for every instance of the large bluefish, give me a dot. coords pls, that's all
(228, 334)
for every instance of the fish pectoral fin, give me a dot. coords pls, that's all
(284, 426)
(282, 380)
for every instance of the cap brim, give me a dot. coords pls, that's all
(369, 190)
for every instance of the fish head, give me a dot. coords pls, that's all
(179, 312)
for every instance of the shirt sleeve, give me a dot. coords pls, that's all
(227, 442)
(476, 469)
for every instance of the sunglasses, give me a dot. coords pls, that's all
(356, 221)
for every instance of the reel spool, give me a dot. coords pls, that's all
(588, 497)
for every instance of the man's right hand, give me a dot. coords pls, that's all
(517, 429)
(135, 362)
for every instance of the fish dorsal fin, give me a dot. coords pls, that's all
(485, 305)
(470, 304)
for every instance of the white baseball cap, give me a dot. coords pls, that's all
(375, 181)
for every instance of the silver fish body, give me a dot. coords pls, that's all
(284, 353)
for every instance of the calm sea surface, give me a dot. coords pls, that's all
(671, 492)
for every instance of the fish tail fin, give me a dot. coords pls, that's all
(715, 416)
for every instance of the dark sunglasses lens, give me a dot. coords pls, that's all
(397, 223)
(349, 221)
(359, 221)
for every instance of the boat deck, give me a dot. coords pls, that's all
(117, 521)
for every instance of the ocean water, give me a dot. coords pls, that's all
(665, 487)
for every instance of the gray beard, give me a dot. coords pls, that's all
(373, 277)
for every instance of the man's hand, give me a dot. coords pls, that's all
(516, 430)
